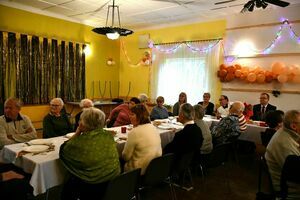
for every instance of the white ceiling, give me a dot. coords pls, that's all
(136, 14)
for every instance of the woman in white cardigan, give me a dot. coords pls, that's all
(143, 143)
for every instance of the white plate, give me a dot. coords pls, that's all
(36, 148)
(40, 141)
(69, 135)
(165, 126)
(178, 123)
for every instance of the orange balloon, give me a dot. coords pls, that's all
(238, 73)
(245, 69)
(290, 77)
(251, 77)
(295, 70)
(231, 69)
(296, 79)
(278, 67)
(229, 77)
(222, 73)
(243, 76)
(282, 78)
(261, 78)
(269, 78)
(238, 66)
(222, 66)
(257, 70)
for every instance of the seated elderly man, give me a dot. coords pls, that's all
(15, 127)
(228, 129)
(190, 137)
(283, 143)
(84, 103)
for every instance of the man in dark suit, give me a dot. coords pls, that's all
(190, 137)
(260, 110)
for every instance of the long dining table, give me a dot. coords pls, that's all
(47, 170)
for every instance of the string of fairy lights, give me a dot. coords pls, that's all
(173, 49)
(268, 49)
(285, 23)
(206, 48)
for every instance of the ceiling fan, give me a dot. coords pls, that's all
(249, 6)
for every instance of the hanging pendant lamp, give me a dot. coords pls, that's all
(112, 32)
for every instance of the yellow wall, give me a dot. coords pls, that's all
(19, 21)
(139, 75)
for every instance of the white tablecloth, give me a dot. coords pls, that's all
(46, 169)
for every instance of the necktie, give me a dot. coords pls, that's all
(263, 110)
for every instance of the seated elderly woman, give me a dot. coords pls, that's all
(119, 116)
(56, 123)
(90, 156)
(208, 106)
(181, 100)
(84, 103)
(207, 145)
(228, 129)
(159, 111)
(143, 143)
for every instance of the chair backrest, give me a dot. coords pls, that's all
(124, 186)
(183, 162)
(219, 155)
(158, 170)
(290, 174)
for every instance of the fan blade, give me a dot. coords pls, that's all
(278, 3)
(221, 2)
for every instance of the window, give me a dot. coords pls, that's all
(177, 75)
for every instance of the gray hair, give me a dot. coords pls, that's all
(143, 97)
(83, 102)
(290, 117)
(237, 107)
(92, 118)
(18, 102)
(187, 110)
(199, 111)
(61, 102)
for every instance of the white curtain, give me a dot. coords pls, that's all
(185, 67)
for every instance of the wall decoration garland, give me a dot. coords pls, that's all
(272, 44)
(146, 59)
(279, 72)
(203, 49)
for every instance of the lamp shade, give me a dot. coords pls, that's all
(113, 32)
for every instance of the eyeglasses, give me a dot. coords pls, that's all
(221, 99)
(54, 105)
